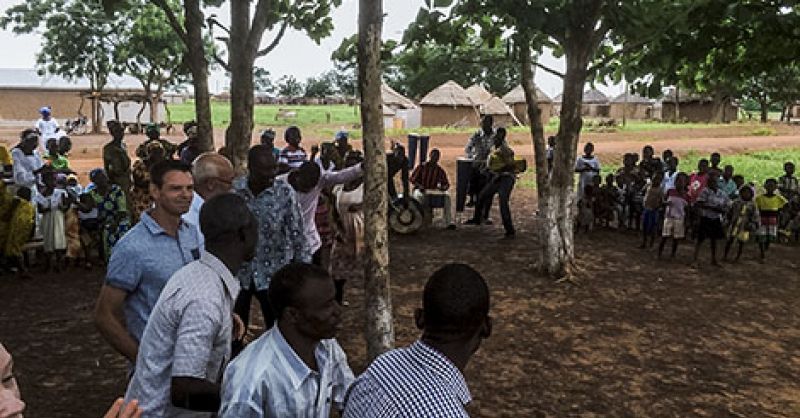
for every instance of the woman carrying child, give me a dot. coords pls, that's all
(112, 210)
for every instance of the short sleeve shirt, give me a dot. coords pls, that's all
(188, 335)
(143, 261)
(716, 199)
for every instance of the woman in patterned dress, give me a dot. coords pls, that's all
(112, 210)
(140, 193)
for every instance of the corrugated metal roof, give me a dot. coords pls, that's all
(30, 79)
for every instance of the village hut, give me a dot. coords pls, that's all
(449, 105)
(479, 95)
(693, 107)
(631, 106)
(502, 114)
(595, 104)
(399, 112)
(516, 100)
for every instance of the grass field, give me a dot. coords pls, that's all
(325, 120)
(756, 166)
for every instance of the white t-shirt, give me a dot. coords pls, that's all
(48, 129)
(586, 177)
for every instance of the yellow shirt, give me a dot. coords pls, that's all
(770, 203)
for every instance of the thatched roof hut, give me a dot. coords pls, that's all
(502, 114)
(447, 105)
(595, 96)
(516, 99)
(631, 106)
(395, 100)
(478, 94)
(699, 108)
(517, 95)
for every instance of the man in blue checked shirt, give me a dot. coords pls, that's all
(146, 257)
(295, 369)
(425, 379)
(281, 237)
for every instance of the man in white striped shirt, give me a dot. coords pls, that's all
(425, 379)
(296, 368)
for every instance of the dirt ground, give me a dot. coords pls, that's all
(632, 337)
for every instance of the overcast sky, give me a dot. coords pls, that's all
(296, 55)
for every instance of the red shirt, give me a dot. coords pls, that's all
(430, 177)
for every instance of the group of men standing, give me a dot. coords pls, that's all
(177, 294)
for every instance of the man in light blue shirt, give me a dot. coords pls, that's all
(295, 369)
(145, 258)
(212, 174)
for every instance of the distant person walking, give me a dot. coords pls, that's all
(47, 127)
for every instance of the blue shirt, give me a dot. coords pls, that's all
(281, 238)
(416, 381)
(268, 379)
(142, 262)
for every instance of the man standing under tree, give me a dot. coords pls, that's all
(478, 149)
(187, 341)
(145, 258)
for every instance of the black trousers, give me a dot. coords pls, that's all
(502, 185)
(242, 308)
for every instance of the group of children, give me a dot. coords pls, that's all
(650, 195)
(64, 214)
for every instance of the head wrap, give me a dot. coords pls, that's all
(94, 173)
(45, 110)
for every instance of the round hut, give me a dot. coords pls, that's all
(449, 105)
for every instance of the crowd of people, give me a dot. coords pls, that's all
(187, 244)
(714, 203)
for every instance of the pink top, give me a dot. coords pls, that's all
(697, 182)
(676, 205)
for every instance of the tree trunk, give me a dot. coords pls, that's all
(238, 136)
(198, 65)
(155, 100)
(764, 106)
(536, 127)
(379, 331)
(95, 112)
(558, 251)
(677, 104)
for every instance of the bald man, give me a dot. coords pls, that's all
(213, 175)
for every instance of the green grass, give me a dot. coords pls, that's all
(266, 115)
(755, 166)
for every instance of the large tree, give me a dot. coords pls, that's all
(244, 45)
(78, 41)
(379, 328)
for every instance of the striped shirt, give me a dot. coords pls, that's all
(268, 379)
(294, 157)
(430, 176)
(416, 381)
(188, 335)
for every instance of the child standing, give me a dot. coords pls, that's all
(72, 221)
(743, 221)
(653, 200)
(58, 162)
(769, 206)
(675, 214)
(610, 203)
(52, 203)
(712, 204)
(293, 155)
(90, 228)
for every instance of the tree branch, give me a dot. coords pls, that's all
(275, 41)
(173, 21)
(214, 22)
(225, 66)
(643, 41)
(550, 70)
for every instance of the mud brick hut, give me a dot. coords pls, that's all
(24, 91)
(449, 105)
(595, 104)
(698, 108)
(516, 100)
(631, 106)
